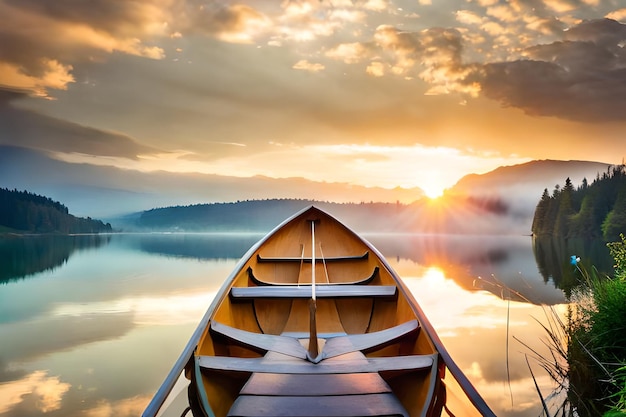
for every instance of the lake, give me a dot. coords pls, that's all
(91, 325)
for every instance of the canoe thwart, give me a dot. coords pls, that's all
(304, 291)
(368, 341)
(261, 258)
(267, 342)
(362, 281)
(335, 344)
(333, 366)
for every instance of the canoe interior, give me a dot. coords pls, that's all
(358, 295)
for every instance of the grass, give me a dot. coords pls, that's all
(588, 351)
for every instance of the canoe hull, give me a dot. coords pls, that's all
(376, 353)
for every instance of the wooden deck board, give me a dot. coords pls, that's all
(328, 406)
(314, 385)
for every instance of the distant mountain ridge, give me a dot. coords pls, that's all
(500, 201)
(520, 186)
(540, 171)
(107, 192)
(450, 216)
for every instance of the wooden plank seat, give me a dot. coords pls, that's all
(334, 366)
(335, 345)
(361, 281)
(362, 257)
(304, 291)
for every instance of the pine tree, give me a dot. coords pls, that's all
(582, 223)
(615, 222)
(565, 210)
(541, 213)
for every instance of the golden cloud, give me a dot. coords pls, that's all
(350, 53)
(305, 65)
(468, 17)
(54, 75)
(42, 59)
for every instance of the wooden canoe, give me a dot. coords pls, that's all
(314, 322)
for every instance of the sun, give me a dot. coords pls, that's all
(432, 191)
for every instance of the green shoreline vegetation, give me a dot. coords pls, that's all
(22, 212)
(591, 211)
(597, 341)
(588, 349)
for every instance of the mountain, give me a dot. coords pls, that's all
(500, 201)
(519, 187)
(107, 192)
(449, 216)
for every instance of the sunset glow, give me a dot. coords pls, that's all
(432, 191)
(389, 93)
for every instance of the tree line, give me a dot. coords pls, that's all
(23, 211)
(596, 210)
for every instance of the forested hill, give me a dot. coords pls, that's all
(596, 210)
(459, 215)
(241, 216)
(24, 212)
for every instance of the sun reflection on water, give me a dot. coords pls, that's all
(482, 330)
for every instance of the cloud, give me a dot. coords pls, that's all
(33, 130)
(68, 32)
(305, 65)
(579, 78)
(617, 14)
(435, 52)
(52, 74)
(233, 23)
(468, 17)
(350, 53)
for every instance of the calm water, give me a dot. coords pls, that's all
(90, 325)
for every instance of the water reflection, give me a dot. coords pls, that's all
(481, 332)
(553, 259)
(95, 333)
(23, 256)
(199, 246)
(503, 265)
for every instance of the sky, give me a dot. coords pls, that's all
(376, 92)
